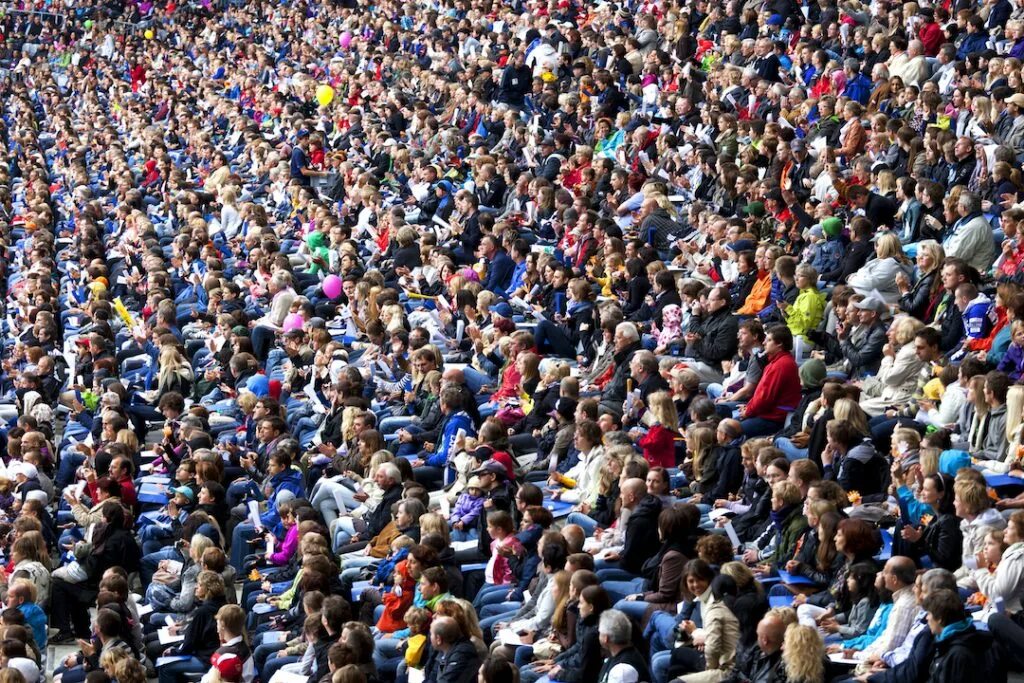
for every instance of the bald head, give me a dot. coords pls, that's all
(900, 572)
(632, 491)
(454, 376)
(771, 631)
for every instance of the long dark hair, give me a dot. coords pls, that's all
(944, 485)
(863, 574)
(826, 554)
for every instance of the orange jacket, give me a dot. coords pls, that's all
(759, 295)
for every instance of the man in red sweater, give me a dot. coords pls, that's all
(778, 392)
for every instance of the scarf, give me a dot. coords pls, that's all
(779, 517)
(954, 628)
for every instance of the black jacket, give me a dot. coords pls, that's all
(718, 337)
(943, 542)
(641, 535)
(918, 300)
(630, 656)
(749, 606)
(582, 661)
(862, 469)
(757, 667)
(615, 391)
(459, 665)
(914, 668)
(119, 549)
(201, 638)
(729, 464)
(380, 517)
(857, 254)
(960, 658)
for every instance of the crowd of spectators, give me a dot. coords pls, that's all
(631, 341)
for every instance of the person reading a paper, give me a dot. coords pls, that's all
(200, 637)
(109, 627)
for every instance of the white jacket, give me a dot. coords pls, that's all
(895, 382)
(587, 474)
(974, 538)
(879, 275)
(973, 243)
(1007, 582)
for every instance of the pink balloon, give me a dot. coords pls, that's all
(293, 322)
(346, 39)
(332, 286)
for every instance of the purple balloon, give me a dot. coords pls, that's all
(346, 39)
(293, 322)
(332, 286)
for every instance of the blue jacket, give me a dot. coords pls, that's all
(499, 272)
(289, 480)
(517, 278)
(979, 317)
(859, 89)
(446, 446)
(875, 629)
(35, 617)
(828, 255)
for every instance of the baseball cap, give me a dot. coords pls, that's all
(185, 491)
(741, 245)
(566, 407)
(28, 469)
(870, 303)
(229, 665)
(755, 209)
(503, 309)
(491, 467)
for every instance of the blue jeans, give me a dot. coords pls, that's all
(588, 524)
(758, 426)
(634, 609)
(240, 538)
(791, 451)
(659, 631)
(618, 589)
(173, 672)
(391, 424)
(149, 563)
(660, 663)
(490, 594)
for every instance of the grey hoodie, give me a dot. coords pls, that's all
(995, 444)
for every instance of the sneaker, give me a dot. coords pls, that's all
(62, 638)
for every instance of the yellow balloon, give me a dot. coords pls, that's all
(324, 95)
(148, 34)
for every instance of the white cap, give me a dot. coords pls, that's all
(27, 668)
(623, 673)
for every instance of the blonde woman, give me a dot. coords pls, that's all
(803, 655)
(848, 410)
(971, 436)
(699, 443)
(897, 376)
(879, 275)
(175, 372)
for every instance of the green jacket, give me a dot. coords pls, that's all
(792, 529)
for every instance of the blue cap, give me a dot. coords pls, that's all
(503, 309)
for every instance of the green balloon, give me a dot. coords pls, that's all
(88, 24)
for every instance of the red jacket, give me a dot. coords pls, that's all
(659, 446)
(779, 388)
(128, 495)
(931, 38)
